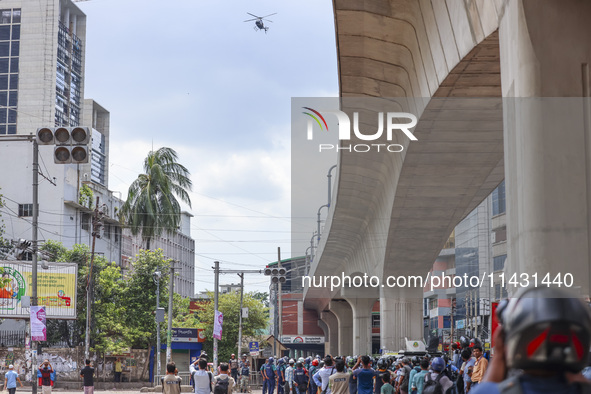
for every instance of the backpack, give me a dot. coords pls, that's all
(221, 386)
(433, 386)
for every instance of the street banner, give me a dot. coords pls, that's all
(217, 325)
(38, 329)
(56, 289)
(253, 347)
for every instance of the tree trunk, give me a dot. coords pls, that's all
(145, 365)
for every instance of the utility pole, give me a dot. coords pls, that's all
(241, 275)
(280, 303)
(215, 303)
(35, 247)
(158, 345)
(169, 331)
(96, 227)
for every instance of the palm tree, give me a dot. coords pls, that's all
(151, 205)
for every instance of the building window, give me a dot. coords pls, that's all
(432, 303)
(499, 262)
(25, 210)
(86, 221)
(498, 199)
(10, 20)
(375, 321)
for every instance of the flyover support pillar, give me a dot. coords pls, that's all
(344, 314)
(331, 346)
(546, 82)
(362, 324)
(401, 316)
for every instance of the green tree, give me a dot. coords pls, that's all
(140, 297)
(229, 305)
(111, 331)
(151, 206)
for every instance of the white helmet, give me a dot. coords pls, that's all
(291, 361)
(301, 360)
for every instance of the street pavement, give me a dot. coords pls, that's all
(57, 390)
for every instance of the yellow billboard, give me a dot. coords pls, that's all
(56, 289)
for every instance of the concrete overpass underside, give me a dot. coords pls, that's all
(393, 212)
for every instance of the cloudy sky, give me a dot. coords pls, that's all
(191, 75)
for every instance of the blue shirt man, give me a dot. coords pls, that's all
(364, 377)
(10, 380)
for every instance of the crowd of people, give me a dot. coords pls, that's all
(541, 346)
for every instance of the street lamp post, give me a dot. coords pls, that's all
(157, 275)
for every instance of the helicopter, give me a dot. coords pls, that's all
(259, 24)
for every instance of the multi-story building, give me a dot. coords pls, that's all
(477, 247)
(42, 71)
(178, 246)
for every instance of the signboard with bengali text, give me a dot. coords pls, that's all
(56, 289)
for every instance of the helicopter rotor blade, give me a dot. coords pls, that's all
(249, 20)
(258, 17)
(267, 20)
(269, 15)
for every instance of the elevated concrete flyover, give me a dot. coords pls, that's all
(392, 213)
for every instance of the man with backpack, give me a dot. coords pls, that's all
(436, 382)
(223, 383)
(322, 376)
(300, 379)
(202, 378)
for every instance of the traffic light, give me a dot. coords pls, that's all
(276, 274)
(71, 143)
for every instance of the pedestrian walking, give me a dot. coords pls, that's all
(87, 373)
(10, 379)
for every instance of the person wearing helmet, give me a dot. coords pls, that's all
(289, 377)
(269, 376)
(352, 382)
(312, 388)
(546, 333)
(244, 375)
(280, 375)
(233, 363)
(300, 379)
(382, 368)
(436, 380)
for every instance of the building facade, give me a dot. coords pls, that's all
(42, 70)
